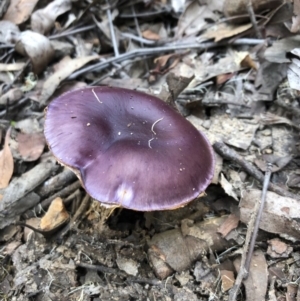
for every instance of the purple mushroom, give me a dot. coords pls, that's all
(129, 149)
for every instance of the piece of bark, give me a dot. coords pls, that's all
(177, 249)
(18, 196)
(56, 183)
(280, 214)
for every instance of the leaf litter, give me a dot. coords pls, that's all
(233, 71)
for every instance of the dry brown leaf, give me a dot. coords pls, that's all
(19, 11)
(278, 249)
(6, 163)
(28, 141)
(53, 81)
(227, 279)
(165, 63)
(231, 222)
(30, 146)
(193, 19)
(37, 47)
(257, 281)
(55, 217)
(224, 30)
(43, 20)
(150, 35)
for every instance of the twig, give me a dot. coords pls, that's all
(230, 154)
(257, 215)
(250, 239)
(71, 32)
(14, 106)
(112, 30)
(139, 33)
(253, 19)
(158, 50)
(46, 203)
(100, 268)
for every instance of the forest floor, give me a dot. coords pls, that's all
(233, 71)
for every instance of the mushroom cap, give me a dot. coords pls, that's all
(128, 148)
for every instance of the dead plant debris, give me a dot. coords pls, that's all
(232, 68)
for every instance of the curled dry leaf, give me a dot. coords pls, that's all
(27, 141)
(68, 66)
(6, 163)
(55, 217)
(150, 35)
(9, 32)
(19, 11)
(194, 18)
(43, 20)
(37, 47)
(223, 30)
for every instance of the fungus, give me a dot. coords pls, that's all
(129, 149)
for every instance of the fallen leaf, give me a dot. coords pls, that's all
(150, 35)
(224, 30)
(9, 32)
(278, 249)
(55, 217)
(231, 222)
(257, 281)
(28, 141)
(227, 280)
(228, 188)
(42, 20)
(53, 81)
(19, 11)
(194, 18)
(6, 163)
(37, 47)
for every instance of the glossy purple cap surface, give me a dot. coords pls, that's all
(128, 148)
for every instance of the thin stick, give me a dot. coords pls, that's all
(139, 33)
(112, 30)
(158, 50)
(250, 239)
(71, 32)
(253, 19)
(258, 215)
